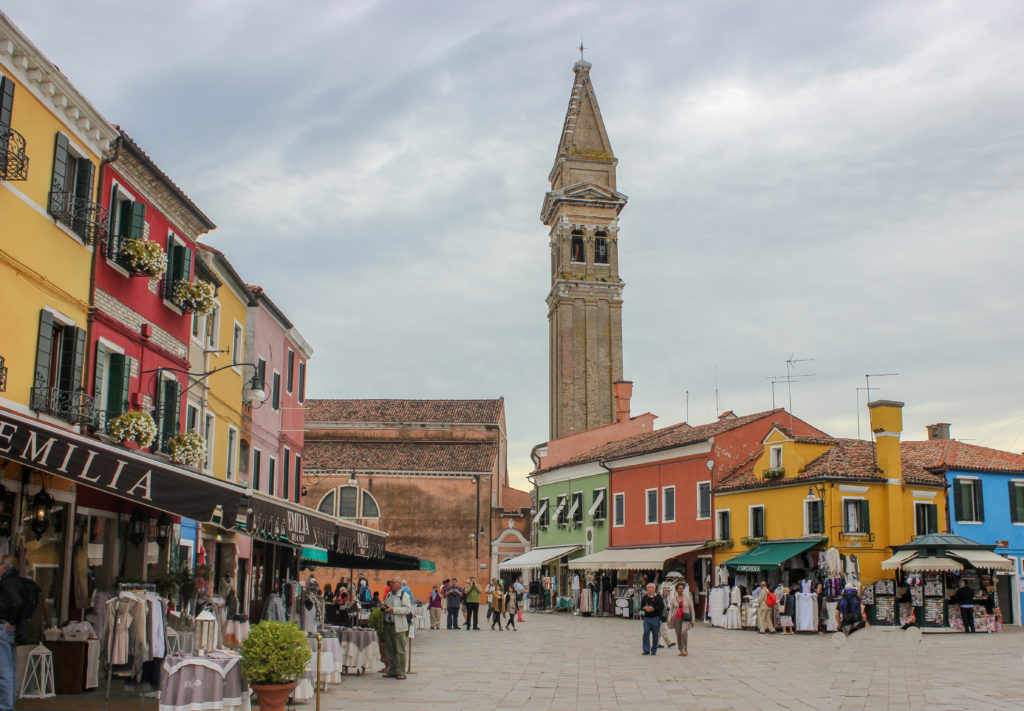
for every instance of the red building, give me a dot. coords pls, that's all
(138, 348)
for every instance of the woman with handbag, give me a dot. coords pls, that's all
(680, 615)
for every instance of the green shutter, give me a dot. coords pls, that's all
(97, 376)
(276, 402)
(72, 359)
(186, 263)
(865, 517)
(958, 500)
(979, 500)
(136, 220)
(933, 518)
(116, 223)
(6, 101)
(43, 349)
(119, 378)
(60, 170)
(1015, 502)
(302, 382)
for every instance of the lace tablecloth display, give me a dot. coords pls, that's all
(191, 683)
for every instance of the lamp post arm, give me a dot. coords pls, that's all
(200, 377)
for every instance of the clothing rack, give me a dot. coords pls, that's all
(121, 589)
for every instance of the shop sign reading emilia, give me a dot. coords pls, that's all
(118, 472)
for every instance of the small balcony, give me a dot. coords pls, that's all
(3, 376)
(13, 161)
(73, 407)
(89, 220)
(856, 539)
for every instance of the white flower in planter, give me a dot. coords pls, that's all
(196, 296)
(144, 257)
(188, 448)
(132, 426)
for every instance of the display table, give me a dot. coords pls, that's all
(72, 663)
(191, 683)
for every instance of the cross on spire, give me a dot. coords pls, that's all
(581, 48)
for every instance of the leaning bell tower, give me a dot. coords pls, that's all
(585, 302)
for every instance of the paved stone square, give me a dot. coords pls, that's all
(556, 661)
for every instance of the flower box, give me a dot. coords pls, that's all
(774, 473)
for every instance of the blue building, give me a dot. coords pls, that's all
(986, 502)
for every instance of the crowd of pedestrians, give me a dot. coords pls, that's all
(461, 604)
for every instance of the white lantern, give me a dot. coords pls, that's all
(206, 632)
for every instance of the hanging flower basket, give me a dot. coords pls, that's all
(143, 258)
(774, 473)
(719, 543)
(752, 540)
(188, 448)
(132, 426)
(194, 296)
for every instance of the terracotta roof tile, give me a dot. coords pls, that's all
(665, 438)
(394, 411)
(413, 457)
(951, 454)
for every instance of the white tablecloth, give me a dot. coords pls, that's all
(191, 683)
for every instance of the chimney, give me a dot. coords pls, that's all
(623, 391)
(727, 415)
(887, 426)
(940, 430)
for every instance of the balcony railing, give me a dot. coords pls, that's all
(74, 407)
(3, 375)
(13, 161)
(87, 219)
(856, 537)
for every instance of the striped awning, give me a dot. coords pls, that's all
(898, 559)
(931, 564)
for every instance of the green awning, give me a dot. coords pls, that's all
(314, 554)
(428, 565)
(770, 555)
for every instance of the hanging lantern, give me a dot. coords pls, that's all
(206, 632)
(41, 504)
(163, 530)
(137, 526)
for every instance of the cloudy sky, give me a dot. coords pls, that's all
(830, 180)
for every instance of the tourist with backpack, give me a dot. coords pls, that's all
(766, 609)
(12, 607)
(850, 613)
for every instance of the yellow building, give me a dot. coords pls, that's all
(217, 346)
(803, 494)
(51, 143)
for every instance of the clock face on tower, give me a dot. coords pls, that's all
(585, 301)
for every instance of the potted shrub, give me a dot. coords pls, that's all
(132, 426)
(273, 657)
(188, 448)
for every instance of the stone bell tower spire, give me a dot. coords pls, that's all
(585, 301)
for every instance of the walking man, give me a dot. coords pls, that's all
(454, 595)
(397, 607)
(11, 603)
(964, 597)
(652, 606)
(765, 609)
(473, 591)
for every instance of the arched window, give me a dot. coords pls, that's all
(576, 253)
(600, 248)
(370, 508)
(348, 501)
(326, 504)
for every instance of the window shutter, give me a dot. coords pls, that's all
(84, 177)
(43, 348)
(256, 466)
(979, 501)
(865, 517)
(97, 375)
(186, 263)
(1015, 512)
(136, 223)
(72, 359)
(277, 391)
(120, 374)
(298, 471)
(169, 409)
(6, 101)
(116, 221)
(302, 382)
(958, 500)
(60, 172)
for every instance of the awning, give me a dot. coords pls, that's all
(933, 563)
(898, 559)
(389, 561)
(118, 471)
(631, 558)
(770, 555)
(986, 560)
(574, 507)
(314, 554)
(543, 508)
(597, 502)
(532, 560)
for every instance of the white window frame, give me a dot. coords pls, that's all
(210, 433)
(647, 507)
(616, 498)
(363, 493)
(711, 507)
(860, 524)
(775, 456)
(604, 501)
(664, 504)
(237, 346)
(718, 523)
(334, 507)
(337, 505)
(541, 513)
(231, 471)
(930, 503)
(1019, 483)
(807, 518)
(579, 512)
(115, 217)
(975, 482)
(750, 521)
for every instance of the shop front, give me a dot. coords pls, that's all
(928, 572)
(546, 567)
(614, 579)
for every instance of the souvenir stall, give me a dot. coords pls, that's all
(928, 570)
(547, 566)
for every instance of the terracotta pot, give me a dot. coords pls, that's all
(273, 697)
(383, 653)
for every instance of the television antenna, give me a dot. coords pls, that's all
(867, 393)
(791, 366)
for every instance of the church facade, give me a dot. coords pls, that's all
(585, 301)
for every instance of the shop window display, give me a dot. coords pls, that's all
(45, 559)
